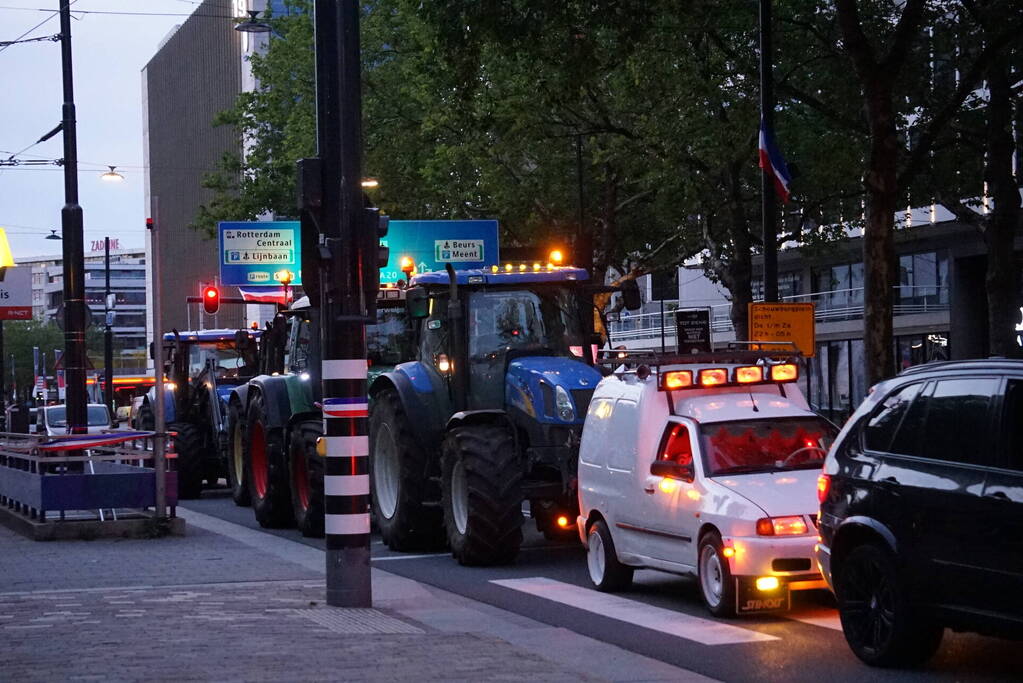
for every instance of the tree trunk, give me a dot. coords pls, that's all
(879, 261)
(999, 233)
(740, 266)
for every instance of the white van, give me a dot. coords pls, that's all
(53, 419)
(709, 468)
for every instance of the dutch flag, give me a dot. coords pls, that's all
(346, 407)
(773, 163)
(265, 295)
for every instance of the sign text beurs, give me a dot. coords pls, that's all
(789, 322)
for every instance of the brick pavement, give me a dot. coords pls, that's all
(225, 603)
(259, 631)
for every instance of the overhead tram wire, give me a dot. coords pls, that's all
(119, 13)
(8, 43)
(52, 16)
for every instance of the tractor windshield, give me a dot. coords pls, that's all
(229, 360)
(390, 340)
(544, 318)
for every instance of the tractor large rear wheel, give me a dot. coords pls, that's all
(189, 447)
(405, 496)
(237, 458)
(268, 470)
(481, 488)
(306, 477)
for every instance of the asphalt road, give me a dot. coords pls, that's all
(662, 616)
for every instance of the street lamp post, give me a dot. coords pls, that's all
(73, 252)
(108, 333)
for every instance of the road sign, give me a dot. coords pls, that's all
(431, 244)
(789, 322)
(692, 330)
(252, 252)
(16, 293)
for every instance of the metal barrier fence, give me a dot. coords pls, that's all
(95, 476)
(833, 305)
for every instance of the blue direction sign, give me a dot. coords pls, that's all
(431, 244)
(253, 252)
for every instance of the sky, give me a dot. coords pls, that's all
(109, 52)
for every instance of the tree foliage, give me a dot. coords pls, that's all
(479, 108)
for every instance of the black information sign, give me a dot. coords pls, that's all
(692, 329)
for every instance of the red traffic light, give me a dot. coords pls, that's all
(211, 299)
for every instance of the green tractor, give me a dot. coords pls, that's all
(274, 420)
(489, 414)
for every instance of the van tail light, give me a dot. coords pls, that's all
(823, 487)
(792, 525)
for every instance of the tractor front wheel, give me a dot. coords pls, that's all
(268, 471)
(306, 477)
(188, 445)
(481, 491)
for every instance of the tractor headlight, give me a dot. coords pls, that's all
(563, 403)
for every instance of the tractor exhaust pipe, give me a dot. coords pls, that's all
(459, 356)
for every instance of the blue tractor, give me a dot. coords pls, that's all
(203, 367)
(490, 413)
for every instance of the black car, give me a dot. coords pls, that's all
(921, 518)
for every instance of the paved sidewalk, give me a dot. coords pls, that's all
(227, 603)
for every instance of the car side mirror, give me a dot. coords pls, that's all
(673, 470)
(630, 295)
(417, 303)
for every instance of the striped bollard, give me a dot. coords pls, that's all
(346, 483)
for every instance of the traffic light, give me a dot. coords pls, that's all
(374, 254)
(210, 299)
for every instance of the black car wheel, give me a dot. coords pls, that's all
(606, 572)
(880, 623)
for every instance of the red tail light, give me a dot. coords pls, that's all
(823, 487)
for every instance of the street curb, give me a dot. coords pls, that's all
(67, 530)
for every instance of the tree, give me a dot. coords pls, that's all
(883, 40)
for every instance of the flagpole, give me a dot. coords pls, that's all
(768, 205)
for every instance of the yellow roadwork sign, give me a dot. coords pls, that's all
(788, 322)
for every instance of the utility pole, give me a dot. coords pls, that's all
(108, 335)
(339, 214)
(768, 204)
(73, 252)
(159, 422)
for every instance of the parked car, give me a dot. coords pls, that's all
(921, 516)
(706, 468)
(52, 420)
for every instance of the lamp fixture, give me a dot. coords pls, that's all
(253, 24)
(53, 236)
(370, 183)
(112, 176)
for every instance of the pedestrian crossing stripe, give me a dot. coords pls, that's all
(667, 621)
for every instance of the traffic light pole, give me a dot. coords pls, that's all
(343, 333)
(73, 250)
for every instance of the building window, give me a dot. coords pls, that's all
(923, 279)
(790, 286)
